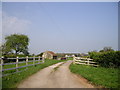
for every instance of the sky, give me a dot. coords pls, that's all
(63, 27)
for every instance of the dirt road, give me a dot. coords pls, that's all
(55, 76)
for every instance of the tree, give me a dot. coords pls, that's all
(40, 54)
(108, 49)
(17, 43)
(4, 50)
(101, 51)
(105, 49)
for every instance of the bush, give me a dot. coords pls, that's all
(106, 59)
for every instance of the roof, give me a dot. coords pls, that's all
(51, 53)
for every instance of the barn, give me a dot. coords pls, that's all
(49, 55)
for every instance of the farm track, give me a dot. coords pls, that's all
(59, 78)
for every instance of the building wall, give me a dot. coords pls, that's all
(47, 55)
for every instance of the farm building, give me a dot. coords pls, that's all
(49, 55)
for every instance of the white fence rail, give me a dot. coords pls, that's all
(26, 60)
(84, 61)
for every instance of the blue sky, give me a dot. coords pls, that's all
(63, 27)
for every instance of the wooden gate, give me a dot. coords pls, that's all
(84, 61)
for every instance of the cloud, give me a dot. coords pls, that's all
(12, 24)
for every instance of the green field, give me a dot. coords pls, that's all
(100, 76)
(11, 81)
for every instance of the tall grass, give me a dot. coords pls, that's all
(106, 77)
(11, 81)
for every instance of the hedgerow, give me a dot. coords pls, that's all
(106, 59)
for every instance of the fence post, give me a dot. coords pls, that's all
(88, 61)
(38, 59)
(1, 63)
(73, 59)
(33, 60)
(17, 63)
(26, 61)
(42, 59)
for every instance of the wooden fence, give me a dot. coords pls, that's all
(26, 61)
(84, 61)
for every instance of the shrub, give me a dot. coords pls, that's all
(106, 59)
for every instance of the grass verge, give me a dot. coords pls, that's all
(11, 81)
(106, 77)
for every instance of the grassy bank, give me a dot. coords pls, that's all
(106, 77)
(13, 80)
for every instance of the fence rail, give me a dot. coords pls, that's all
(17, 62)
(84, 61)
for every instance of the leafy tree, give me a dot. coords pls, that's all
(101, 51)
(40, 54)
(105, 49)
(4, 50)
(17, 43)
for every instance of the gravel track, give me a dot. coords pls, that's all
(61, 77)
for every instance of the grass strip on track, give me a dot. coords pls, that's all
(106, 77)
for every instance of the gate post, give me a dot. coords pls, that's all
(73, 59)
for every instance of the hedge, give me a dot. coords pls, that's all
(106, 59)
